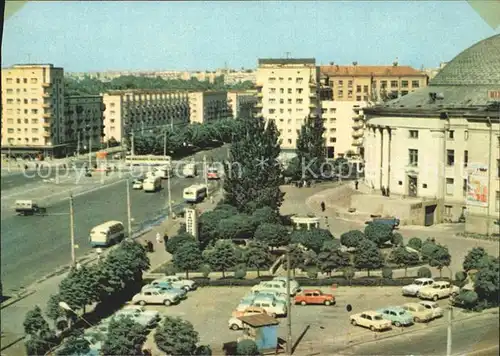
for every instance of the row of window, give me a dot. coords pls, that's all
(450, 157)
(448, 208)
(289, 90)
(450, 134)
(298, 80)
(11, 140)
(25, 101)
(340, 95)
(383, 84)
(289, 101)
(25, 90)
(24, 80)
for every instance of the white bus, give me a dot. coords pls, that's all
(163, 172)
(195, 193)
(148, 160)
(151, 184)
(107, 233)
(189, 170)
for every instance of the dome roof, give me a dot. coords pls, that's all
(477, 65)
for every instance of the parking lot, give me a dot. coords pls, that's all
(210, 308)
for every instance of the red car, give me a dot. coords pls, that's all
(314, 296)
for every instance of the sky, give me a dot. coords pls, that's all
(197, 35)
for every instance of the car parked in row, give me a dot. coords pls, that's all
(294, 285)
(397, 316)
(155, 296)
(419, 312)
(245, 302)
(235, 324)
(438, 290)
(437, 311)
(270, 305)
(370, 319)
(168, 287)
(178, 282)
(419, 283)
(314, 296)
(269, 292)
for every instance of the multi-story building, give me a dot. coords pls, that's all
(33, 110)
(288, 94)
(232, 77)
(206, 106)
(432, 72)
(84, 121)
(141, 110)
(439, 147)
(242, 102)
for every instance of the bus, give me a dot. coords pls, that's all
(151, 184)
(195, 193)
(189, 170)
(107, 233)
(148, 160)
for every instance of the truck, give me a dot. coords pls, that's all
(151, 184)
(29, 207)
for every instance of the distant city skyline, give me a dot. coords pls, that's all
(148, 36)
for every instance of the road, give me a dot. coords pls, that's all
(468, 336)
(34, 246)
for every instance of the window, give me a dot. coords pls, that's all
(26, 101)
(34, 111)
(349, 83)
(464, 187)
(424, 185)
(282, 90)
(18, 80)
(33, 80)
(450, 157)
(340, 93)
(365, 97)
(332, 120)
(365, 89)
(451, 134)
(10, 101)
(272, 111)
(34, 101)
(413, 133)
(9, 80)
(299, 80)
(290, 141)
(333, 139)
(10, 91)
(300, 101)
(34, 121)
(404, 84)
(34, 130)
(10, 130)
(383, 84)
(394, 83)
(282, 101)
(289, 90)
(466, 135)
(299, 90)
(271, 91)
(413, 156)
(415, 84)
(272, 80)
(449, 186)
(10, 121)
(497, 201)
(289, 101)
(358, 88)
(34, 139)
(498, 168)
(466, 158)
(358, 98)
(25, 80)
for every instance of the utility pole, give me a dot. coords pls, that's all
(8, 159)
(132, 150)
(90, 150)
(289, 305)
(78, 143)
(205, 172)
(169, 192)
(129, 216)
(165, 144)
(171, 123)
(72, 229)
(450, 316)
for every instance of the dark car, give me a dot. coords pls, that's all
(393, 222)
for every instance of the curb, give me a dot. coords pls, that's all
(17, 299)
(12, 343)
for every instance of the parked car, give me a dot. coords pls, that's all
(167, 287)
(419, 312)
(438, 290)
(137, 184)
(392, 222)
(277, 286)
(397, 316)
(269, 292)
(155, 297)
(294, 285)
(419, 283)
(245, 303)
(147, 320)
(235, 324)
(179, 282)
(434, 307)
(314, 296)
(372, 320)
(270, 306)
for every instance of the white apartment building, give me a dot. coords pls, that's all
(33, 110)
(242, 102)
(287, 94)
(207, 106)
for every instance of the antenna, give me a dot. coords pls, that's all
(287, 54)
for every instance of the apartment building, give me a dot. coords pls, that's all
(287, 93)
(232, 77)
(142, 110)
(242, 102)
(33, 110)
(206, 106)
(84, 121)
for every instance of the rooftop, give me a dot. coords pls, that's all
(263, 61)
(367, 71)
(259, 320)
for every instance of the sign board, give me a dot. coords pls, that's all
(477, 186)
(192, 222)
(494, 95)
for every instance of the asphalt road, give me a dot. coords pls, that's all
(34, 246)
(468, 336)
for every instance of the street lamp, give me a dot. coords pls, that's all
(87, 127)
(65, 306)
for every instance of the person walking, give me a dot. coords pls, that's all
(356, 183)
(158, 238)
(323, 207)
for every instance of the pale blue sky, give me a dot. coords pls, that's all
(98, 36)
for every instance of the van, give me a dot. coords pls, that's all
(28, 207)
(163, 172)
(151, 184)
(107, 233)
(195, 193)
(189, 170)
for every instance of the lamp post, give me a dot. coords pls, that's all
(90, 145)
(65, 306)
(289, 305)
(142, 127)
(72, 230)
(129, 215)
(450, 317)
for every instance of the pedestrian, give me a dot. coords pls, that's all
(211, 199)
(158, 238)
(356, 183)
(383, 190)
(323, 206)
(150, 246)
(387, 192)
(165, 238)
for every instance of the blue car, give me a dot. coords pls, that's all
(396, 315)
(167, 286)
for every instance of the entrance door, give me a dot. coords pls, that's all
(429, 215)
(412, 186)
(330, 152)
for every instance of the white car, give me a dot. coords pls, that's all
(155, 297)
(245, 303)
(372, 320)
(277, 286)
(294, 285)
(270, 306)
(414, 288)
(438, 290)
(137, 184)
(178, 282)
(235, 324)
(277, 295)
(437, 311)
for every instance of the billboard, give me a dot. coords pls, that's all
(477, 186)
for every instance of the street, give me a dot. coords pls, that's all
(34, 246)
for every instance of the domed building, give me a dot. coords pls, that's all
(439, 147)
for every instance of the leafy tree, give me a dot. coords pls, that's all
(176, 337)
(487, 282)
(203, 350)
(253, 173)
(310, 149)
(333, 244)
(222, 256)
(75, 345)
(257, 256)
(352, 238)
(297, 258)
(226, 207)
(236, 227)
(397, 239)
(125, 337)
(188, 257)
(415, 243)
(40, 338)
(177, 241)
(342, 167)
(436, 256)
(79, 288)
(460, 276)
(349, 274)
(209, 225)
(378, 233)
(332, 259)
(404, 258)
(474, 258)
(274, 235)
(387, 272)
(368, 256)
(247, 348)
(313, 239)
(265, 215)
(53, 310)
(424, 272)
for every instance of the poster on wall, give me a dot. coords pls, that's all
(477, 186)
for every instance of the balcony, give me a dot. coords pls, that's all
(47, 114)
(357, 142)
(260, 94)
(313, 95)
(46, 105)
(46, 85)
(46, 134)
(46, 94)
(313, 105)
(259, 105)
(358, 125)
(312, 85)
(358, 117)
(259, 85)
(46, 124)
(357, 134)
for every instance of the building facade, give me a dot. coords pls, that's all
(33, 110)
(207, 106)
(441, 144)
(287, 92)
(242, 103)
(142, 110)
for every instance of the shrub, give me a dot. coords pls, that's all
(424, 272)
(349, 273)
(312, 272)
(397, 239)
(468, 298)
(205, 270)
(387, 273)
(460, 276)
(240, 274)
(169, 269)
(415, 243)
(352, 238)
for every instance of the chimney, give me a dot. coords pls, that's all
(395, 63)
(355, 63)
(332, 63)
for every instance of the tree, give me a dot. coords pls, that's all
(274, 235)
(40, 337)
(226, 207)
(368, 256)
(247, 348)
(188, 257)
(436, 256)
(252, 175)
(487, 282)
(474, 258)
(387, 273)
(257, 256)
(176, 337)
(53, 310)
(236, 227)
(332, 259)
(352, 238)
(311, 149)
(177, 241)
(265, 215)
(75, 344)
(203, 350)
(415, 243)
(349, 274)
(79, 288)
(297, 257)
(222, 256)
(469, 298)
(397, 239)
(125, 337)
(378, 233)
(209, 225)
(313, 239)
(404, 258)
(424, 272)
